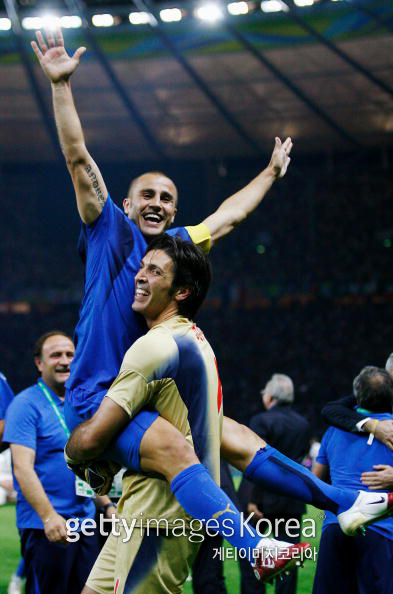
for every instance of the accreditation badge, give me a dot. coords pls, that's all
(83, 489)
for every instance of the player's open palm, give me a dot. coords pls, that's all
(53, 58)
(280, 158)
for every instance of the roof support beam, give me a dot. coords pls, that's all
(382, 22)
(146, 6)
(294, 15)
(12, 14)
(342, 133)
(77, 7)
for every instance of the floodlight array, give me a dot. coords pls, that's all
(208, 11)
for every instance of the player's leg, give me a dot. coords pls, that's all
(164, 450)
(267, 467)
(150, 444)
(336, 564)
(102, 575)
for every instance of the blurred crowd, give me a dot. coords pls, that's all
(304, 286)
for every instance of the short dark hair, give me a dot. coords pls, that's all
(191, 268)
(37, 349)
(154, 172)
(373, 388)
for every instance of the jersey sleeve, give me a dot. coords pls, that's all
(151, 359)
(198, 234)
(340, 414)
(6, 396)
(322, 457)
(201, 236)
(21, 423)
(110, 233)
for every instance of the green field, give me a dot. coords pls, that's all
(10, 554)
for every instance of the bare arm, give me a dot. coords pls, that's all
(320, 470)
(238, 206)
(58, 66)
(91, 438)
(32, 489)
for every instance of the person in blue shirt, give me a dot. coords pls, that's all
(362, 564)
(6, 396)
(46, 489)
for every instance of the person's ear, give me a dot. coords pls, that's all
(38, 363)
(182, 293)
(126, 205)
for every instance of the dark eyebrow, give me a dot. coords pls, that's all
(154, 267)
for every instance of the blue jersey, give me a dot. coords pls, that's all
(113, 247)
(32, 422)
(348, 455)
(6, 395)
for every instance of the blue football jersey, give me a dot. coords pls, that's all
(112, 248)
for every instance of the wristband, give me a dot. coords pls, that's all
(103, 508)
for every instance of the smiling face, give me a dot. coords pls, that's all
(151, 203)
(153, 285)
(155, 298)
(54, 362)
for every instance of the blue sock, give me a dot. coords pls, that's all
(202, 499)
(273, 471)
(20, 572)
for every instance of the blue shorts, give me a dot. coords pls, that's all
(125, 450)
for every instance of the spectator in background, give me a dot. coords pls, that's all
(6, 483)
(6, 396)
(341, 414)
(46, 488)
(360, 564)
(286, 430)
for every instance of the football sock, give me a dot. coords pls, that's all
(201, 498)
(275, 472)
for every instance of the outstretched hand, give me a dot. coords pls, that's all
(381, 478)
(280, 158)
(53, 58)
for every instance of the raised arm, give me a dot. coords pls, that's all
(238, 206)
(58, 66)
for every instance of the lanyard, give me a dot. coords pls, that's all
(53, 405)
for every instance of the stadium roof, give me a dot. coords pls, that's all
(322, 74)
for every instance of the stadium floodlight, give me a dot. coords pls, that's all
(271, 6)
(103, 20)
(139, 18)
(237, 8)
(70, 22)
(50, 22)
(209, 12)
(47, 21)
(5, 24)
(304, 2)
(171, 15)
